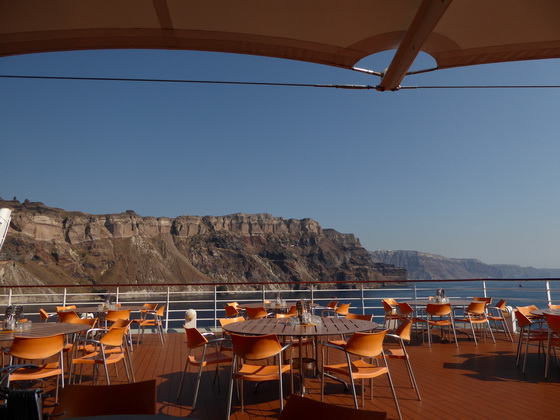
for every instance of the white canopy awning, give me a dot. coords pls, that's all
(333, 32)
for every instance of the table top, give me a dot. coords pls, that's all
(281, 327)
(453, 302)
(44, 329)
(541, 312)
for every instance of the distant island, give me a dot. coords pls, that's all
(424, 266)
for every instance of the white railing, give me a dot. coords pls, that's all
(209, 299)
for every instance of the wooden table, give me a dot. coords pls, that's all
(283, 328)
(453, 302)
(44, 329)
(541, 312)
(99, 309)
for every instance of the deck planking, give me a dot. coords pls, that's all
(469, 382)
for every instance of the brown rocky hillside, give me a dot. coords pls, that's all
(52, 246)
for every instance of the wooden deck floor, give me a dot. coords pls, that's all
(471, 382)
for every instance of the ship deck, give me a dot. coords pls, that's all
(469, 382)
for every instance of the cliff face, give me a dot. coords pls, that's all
(53, 246)
(423, 266)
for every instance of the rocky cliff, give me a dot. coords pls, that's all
(423, 266)
(52, 246)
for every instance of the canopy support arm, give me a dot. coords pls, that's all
(428, 15)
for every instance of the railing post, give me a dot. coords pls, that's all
(9, 297)
(117, 295)
(484, 288)
(263, 293)
(415, 292)
(167, 312)
(363, 300)
(64, 297)
(312, 295)
(548, 296)
(215, 307)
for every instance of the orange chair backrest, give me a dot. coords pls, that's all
(365, 317)
(553, 322)
(195, 338)
(67, 316)
(389, 305)
(501, 305)
(522, 320)
(404, 329)
(438, 309)
(551, 306)
(333, 304)
(44, 315)
(256, 313)
(488, 300)
(31, 348)
(477, 307)
(231, 311)
(113, 337)
(113, 316)
(122, 323)
(161, 311)
(65, 308)
(366, 344)
(84, 321)
(149, 307)
(405, 308)
(343, 309)
(526, 310)
(226, 321)
(255, 347)
(234, 304)
(293, 310)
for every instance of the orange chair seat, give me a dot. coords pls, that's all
(210, 359)
(360, 369)
(394, 353)
(259, 373)
(40, 372)
(441, 322)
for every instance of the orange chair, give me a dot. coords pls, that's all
(226, 346)
(551, 306)
(553, 340)
(497, 314)
(38, 348)
(363, 345)
(256, 313)
(401, 335)
(195, 340)
(301, 408)
(247, 348)
(407, 312)
(113, 316)
(525, 324)
(44, 315)
(441, 311)
(488, 300)
(342, 309)
(342, 341)
(107, 400)
(109, 349)
(391, 308)
(156, 322)
(330, 308)
(526, 310)
(476, 315)
(146, 308)
(231, 311)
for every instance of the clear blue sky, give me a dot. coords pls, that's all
(461, 173)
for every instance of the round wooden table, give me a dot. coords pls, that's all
(283, 328)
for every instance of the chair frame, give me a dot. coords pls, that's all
(196, 340)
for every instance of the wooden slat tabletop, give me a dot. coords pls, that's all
(282, 327)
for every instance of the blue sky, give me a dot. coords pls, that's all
(460, 173)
